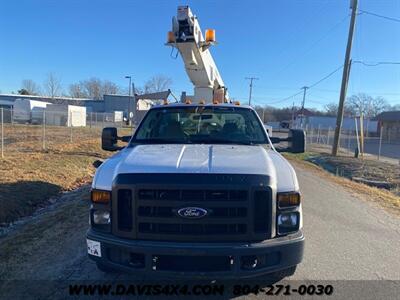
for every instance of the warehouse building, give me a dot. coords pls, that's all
(137, 105)
(389, 124)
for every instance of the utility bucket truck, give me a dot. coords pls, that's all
(199, 191)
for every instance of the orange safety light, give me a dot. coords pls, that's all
(237, 102)
(188, 101)
(215, 102)
(210, 35)
(171, 37)
(100, 196)
(202, 102)
(165, 102)
(289, 199)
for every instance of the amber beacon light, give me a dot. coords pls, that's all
(210, 35)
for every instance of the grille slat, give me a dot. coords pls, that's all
(193, 195)
(235, 211)
(192, 229)
(171, 212)
(125, 220)
(228, 213)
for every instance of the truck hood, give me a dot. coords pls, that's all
(194, 158)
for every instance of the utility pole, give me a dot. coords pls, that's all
(345, 77)
(251, 86)
(305, 88)
(292, 116)
(129, 99)
(134, 105)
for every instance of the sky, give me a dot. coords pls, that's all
(287, 44)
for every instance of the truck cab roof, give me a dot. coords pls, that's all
(180, 104)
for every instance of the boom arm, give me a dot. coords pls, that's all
(187, 37)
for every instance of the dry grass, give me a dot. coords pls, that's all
(30, 176)
(386, 199)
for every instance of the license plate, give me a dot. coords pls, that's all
(93, 248)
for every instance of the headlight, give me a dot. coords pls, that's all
(288, 200)
(288, 222)
(101, 217)
(99, 196)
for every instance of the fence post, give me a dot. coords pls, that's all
(327, 138)
(358, 140)
(2, 133)
(70, 125)
(380, 144)
(44, 130)
(90, 124)
(348, 140)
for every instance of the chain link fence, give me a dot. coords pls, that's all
(376, 146)
(48, 130)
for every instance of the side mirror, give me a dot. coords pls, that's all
(297, 140)
(97, 163)
(110, 138)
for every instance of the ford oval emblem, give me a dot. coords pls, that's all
(192, 212)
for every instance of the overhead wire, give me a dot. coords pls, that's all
(311, 86)
(379, 16)
(374, 64)
(328, 32)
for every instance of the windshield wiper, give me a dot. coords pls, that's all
(224, 141)
(162, 141)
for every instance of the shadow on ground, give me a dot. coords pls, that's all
(22, 198)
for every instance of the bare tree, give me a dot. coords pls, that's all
(378, 105)
(109, 88)
(157, 83)
(77, 90)
(93, 88)
(366, 104)
(53, 85)
(30, 87)
(331, 109)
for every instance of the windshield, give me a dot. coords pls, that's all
(201, 124)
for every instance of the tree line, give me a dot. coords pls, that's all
(92, 88)
(355, 105)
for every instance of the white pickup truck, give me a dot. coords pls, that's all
(198, 192)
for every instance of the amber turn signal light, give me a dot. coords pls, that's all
(100, 196)
(290, 199)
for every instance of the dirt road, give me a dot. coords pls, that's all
(347, 238)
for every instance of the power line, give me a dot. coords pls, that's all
(326, 77)
(310, 86)
(374, 64)
(287, 98)
(379, 16)
(328, 32)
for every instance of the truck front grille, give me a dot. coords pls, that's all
(236, 211)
